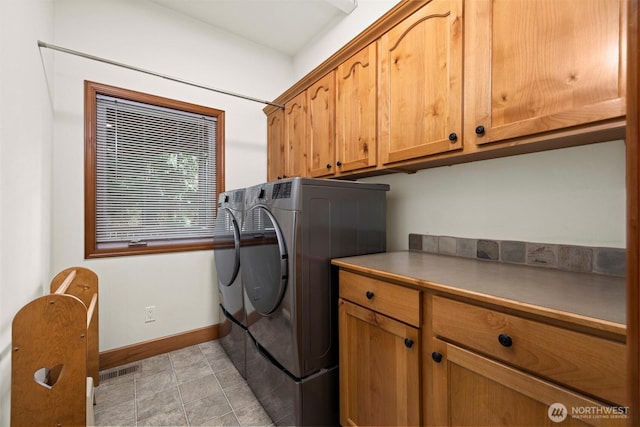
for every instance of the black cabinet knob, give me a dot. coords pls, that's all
(436, 356)
(339, 163)
(480, 130)
(453, 137)
(408, 342)
(505, 340)
(369, 294)
(328, 165)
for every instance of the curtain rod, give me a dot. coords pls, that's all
(175, 79)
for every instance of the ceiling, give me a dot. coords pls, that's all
(284, 25)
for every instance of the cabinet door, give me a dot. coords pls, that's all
(356, 141)
(322, 130)
(295, 134)
(534, 66)
(379, 369)
(471, 390)
(420, 85)
(275, 145)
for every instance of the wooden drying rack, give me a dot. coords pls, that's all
(54, 364)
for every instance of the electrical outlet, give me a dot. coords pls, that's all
(150, 314)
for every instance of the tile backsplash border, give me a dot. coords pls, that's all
(581, 259)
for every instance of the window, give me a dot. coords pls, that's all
(153, 170)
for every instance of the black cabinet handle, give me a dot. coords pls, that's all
(339, 163)
(453, 137)
(328, 165)
(408, 342)
(369, 294)
(505, 340)
(480, 130)
(436, 356)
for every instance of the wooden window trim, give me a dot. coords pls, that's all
(91, 89)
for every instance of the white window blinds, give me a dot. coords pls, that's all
(155, 173)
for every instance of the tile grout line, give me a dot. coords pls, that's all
(135, 399)
(233, 411)
(175, 377)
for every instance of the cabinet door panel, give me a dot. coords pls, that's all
(548, 65)
(593, 365)
(471, 390)
(420, 85)
(276, 145)
(295, 119)
(379, 373)
(356, 140)
(322, 102)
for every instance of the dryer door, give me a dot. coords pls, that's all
(263, 255)
(226, 238)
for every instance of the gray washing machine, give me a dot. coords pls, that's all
(291, 230)
(226, 237)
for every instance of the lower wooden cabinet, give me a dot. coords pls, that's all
(379, 369)
(472, 390)
(412, 355)
(584, 362)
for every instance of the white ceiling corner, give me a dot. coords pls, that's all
(346, 6)
(283, 25)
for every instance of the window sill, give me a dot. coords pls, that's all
(123, 249)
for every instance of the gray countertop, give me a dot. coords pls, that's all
(591, 299)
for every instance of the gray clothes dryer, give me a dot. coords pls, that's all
(233, 320)
(291, 230)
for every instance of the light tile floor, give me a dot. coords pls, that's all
(194, 386)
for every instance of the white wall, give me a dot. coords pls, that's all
(572, 196)
(340, 32)
(148, 36)
(25, 168)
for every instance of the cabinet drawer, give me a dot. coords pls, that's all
(392, 300)
(590, 364)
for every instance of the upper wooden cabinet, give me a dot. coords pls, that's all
(295, 136)
(342, 117)
(276, 157)
(441, 82)
(534, 66)
(356, 111)
(420, 84)
(321, 99)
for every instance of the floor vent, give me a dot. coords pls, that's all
(118, 372)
